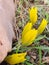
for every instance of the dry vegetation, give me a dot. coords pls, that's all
(38, 53)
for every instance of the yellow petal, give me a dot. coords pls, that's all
(42, 26)
(16, 58)
(33, 15)
(27, 27)
(34, 9)
(29, 37)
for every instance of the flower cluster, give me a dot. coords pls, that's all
(29, 34)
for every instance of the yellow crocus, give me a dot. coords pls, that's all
(42, 26)
(15, 58)
(33, 15)
(27, 27)
(29, 37)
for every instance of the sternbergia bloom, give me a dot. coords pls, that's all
(33, 15)
(27, 27)
(16, 58)
(42, 26)
(29, 37)
(29, 34)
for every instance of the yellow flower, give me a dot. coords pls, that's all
(27, 27)
(29, 37)
(29, 34)
(33, 15)
(16, 58)
(42, 26)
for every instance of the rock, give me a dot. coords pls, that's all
(7, 13)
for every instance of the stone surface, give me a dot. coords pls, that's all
(7, 13)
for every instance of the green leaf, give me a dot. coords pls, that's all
(47, 16)
(28, 63)
(27, 58)
(42, 47)
(40, 56)
(47, 38)
(39, 38)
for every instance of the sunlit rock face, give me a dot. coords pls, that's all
(7, 13)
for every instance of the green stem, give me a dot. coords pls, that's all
(40, 56)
